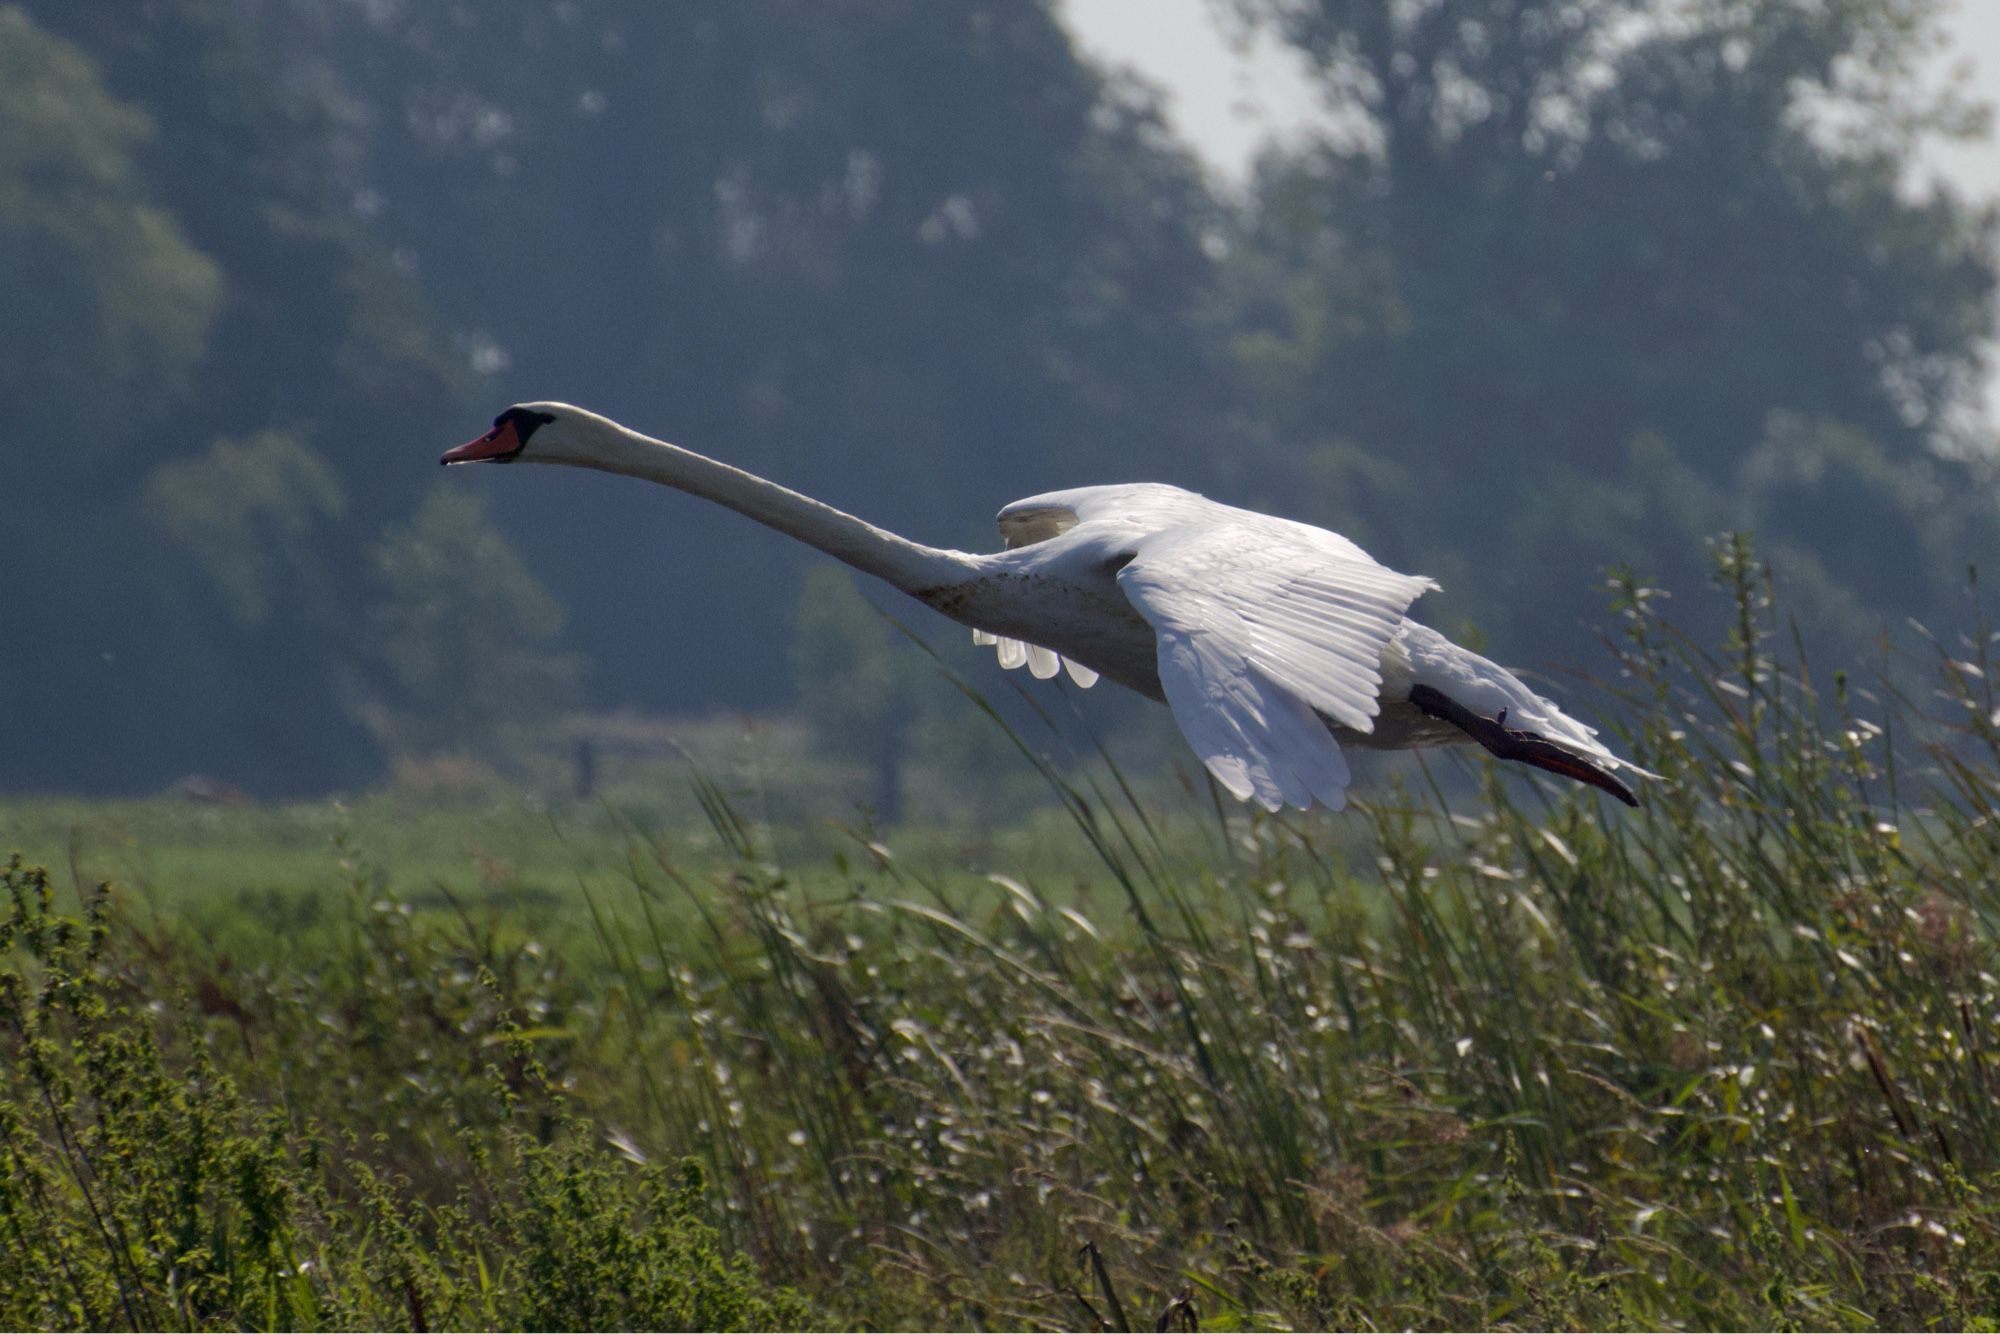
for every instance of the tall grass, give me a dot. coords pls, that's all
(1523, 1059)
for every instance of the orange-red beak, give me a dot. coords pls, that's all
(499, 443)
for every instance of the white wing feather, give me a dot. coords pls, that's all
(1040, 662)
(1261, 742)
(1261, 630)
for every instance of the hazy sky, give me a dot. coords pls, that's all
(1226, 102)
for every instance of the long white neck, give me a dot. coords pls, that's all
(584, 440)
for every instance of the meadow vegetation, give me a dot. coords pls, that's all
(1498, 1056)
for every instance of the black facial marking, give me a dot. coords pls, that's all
(526, 421)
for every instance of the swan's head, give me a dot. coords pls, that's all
(534, 432)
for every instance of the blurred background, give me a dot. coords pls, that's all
(1510, 291)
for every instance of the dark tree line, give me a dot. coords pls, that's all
(1580, 286)
(204, 346)
(1563, 285)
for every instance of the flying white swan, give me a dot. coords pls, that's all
(1274, 643)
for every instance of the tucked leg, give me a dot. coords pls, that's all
(1513, 744)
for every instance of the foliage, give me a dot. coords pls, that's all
(913, 258)
(466, 635)
(1661, 260)
(141, 1186)
(110, 308)
(110, 304)
(1712, 1064)
(248, 511)
(224, 375)
(1622, 254)
(855, 680)
(1527, 1060)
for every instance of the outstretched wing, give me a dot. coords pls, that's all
(1264, 633)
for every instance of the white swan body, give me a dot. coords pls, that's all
(1273, 642)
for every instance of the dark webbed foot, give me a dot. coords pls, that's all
(1514, 744)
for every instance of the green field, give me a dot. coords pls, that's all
(1529, 1061)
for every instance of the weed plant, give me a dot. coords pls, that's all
(1514, 1059)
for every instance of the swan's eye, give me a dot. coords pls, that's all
(524, 421)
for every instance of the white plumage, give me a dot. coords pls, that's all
(1273, 642)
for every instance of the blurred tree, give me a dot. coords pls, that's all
(859, 684)
(109, 305)
(244, 571)
(108, 310)
(910, 255)
(235, 386)
(1544, 233)
(249, 511)
(319, 330)
(1568, 282)
(467, 636)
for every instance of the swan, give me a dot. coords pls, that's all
(1274, 643)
